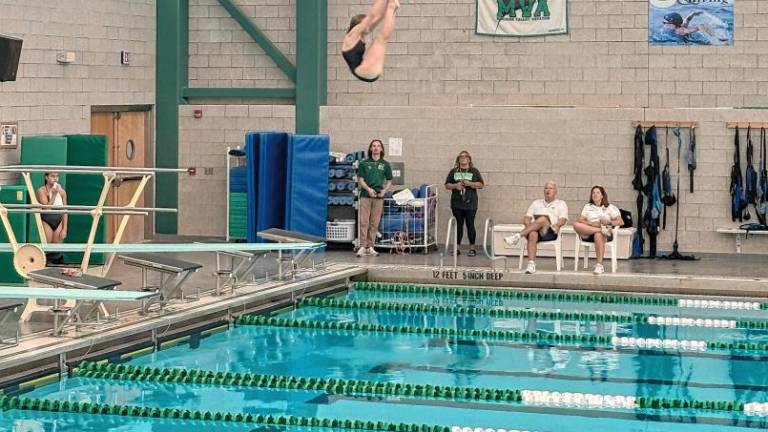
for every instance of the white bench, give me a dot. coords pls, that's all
(623, 242)
(738, 233)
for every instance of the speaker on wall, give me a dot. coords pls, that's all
(10, 51)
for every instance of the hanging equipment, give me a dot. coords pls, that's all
(637, 184)
(652, 192)
(750, 179)
(737, 182)
(762, 201)
(668, 198)
(676, 255)
(690, 155)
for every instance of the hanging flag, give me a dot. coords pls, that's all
(521, 17)
(690, 22)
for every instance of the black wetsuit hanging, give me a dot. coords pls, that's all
(737, 182)
(690, 155)
(652, 192)
(637, 184)
(762, 198)
(750, 177)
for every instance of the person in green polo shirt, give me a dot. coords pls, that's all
(374, 175)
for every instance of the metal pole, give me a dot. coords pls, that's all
(108, 177)
(88, 170)
(124, 222)
(33, 199)
(89, 208)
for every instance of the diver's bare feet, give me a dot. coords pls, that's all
(394, 4)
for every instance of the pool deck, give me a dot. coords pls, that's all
(40, 353)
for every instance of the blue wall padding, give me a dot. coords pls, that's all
(306, 197)
(266, 157)
(252, 162)
(272, 180)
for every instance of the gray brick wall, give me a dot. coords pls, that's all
(52, 98)
(516, 148)
(435, 58)
(222, 54)
(437, 68)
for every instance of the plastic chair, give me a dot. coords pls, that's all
(610, 246)
(558, 250)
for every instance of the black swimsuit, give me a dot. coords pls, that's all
(354, 58)
(52, 219)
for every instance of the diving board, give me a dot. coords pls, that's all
(173, 273)
(286, 237)
(77, 292)
(72, 294)
(81, 297)
(173, 247)
(54, 277)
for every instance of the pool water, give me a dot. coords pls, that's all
(415, 358)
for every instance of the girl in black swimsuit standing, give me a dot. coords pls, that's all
(51, 193)
(367, 64)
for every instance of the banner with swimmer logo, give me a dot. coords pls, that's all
(690, 22)
(521, 17)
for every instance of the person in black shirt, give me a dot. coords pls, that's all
(367, 64)
(464, 180)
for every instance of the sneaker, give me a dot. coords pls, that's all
(598, 269)
(512, 240)
(531, 269)
(362, 252)
(472, 253)
(372, 252)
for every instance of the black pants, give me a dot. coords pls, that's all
(463, 216)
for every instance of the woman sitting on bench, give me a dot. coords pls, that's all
(595, 223)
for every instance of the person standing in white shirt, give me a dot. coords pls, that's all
(595, 222)
(542, 221)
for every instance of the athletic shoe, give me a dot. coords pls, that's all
(472, 252)
(512, 240)
(531, 269)
(362, 252)
(598, 269)
(372, 252)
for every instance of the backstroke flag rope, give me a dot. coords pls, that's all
(521, 17)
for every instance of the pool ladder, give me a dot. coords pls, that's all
(452, 229)
(488, 248)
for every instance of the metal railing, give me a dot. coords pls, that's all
(452, 229)
(488, 248)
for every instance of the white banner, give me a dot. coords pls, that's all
(521, 17)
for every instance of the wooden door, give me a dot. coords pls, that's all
(127, 140)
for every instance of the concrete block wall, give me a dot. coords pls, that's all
(203, 144)
(222, 54)
(52, 98)
(600, 77)
(517, 149)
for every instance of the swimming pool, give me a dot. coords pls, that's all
(411, 357)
